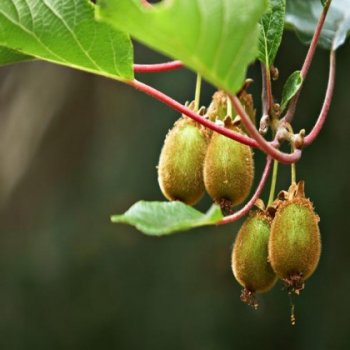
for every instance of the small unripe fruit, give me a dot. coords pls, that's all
(180, 168)
(228, 170)
(218, 107)
(295, 242)
(250, 264)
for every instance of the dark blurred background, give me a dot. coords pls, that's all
(75, 148)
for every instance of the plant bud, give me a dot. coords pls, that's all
(295, 242)
(250, 265)
(180, 168)
(228, 170)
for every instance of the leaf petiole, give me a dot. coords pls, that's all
(198, 92)
(273, 182)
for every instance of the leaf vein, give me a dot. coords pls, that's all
(32, 34)
(76, 39)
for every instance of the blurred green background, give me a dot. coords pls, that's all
(75, 148)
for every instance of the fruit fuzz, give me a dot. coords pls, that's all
(295, 242)
(228, 169)
(180, 168)
(249, 257)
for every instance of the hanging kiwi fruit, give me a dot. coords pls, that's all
(180, 168)
(295, 241)
(228, 169)
(250, 264)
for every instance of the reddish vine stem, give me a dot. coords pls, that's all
(193, 115)
(257, 142)
(267, 94)
(308, 60)
(249, 205)
(265, 146)
(326, 104)
(155, 68)
(145, 3)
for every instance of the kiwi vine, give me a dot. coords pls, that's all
(280, 240)
(210, 149)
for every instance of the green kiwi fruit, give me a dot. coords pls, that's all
(218, 108)
(228, 170)
(295, 242)
(250, 265)
(180, 168)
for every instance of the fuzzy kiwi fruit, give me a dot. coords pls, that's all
(228, 170)
(295, 242)
(180, 168)
(250, 265)
(218, 108)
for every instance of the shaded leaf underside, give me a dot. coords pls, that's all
(217, 38)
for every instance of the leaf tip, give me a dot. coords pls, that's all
(115, 218)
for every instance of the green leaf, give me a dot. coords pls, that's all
(65, 32)
(303, 16)
(290, 88)
(8, 56)
(271, 31)
(217, 39)
(164, 218)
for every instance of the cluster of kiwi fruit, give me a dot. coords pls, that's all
(194, 159)
(281, 241)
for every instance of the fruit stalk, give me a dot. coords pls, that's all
(197, 93)
(273, 182)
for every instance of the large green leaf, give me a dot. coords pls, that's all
(217, 38)
(303, 16)
(271, 31)
(8, 56)
(65, 32)
(164, 218)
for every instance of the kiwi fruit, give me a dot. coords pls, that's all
(180, 168)
(250, 264)
(228, 169)
(295, 242)
(218, 108)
